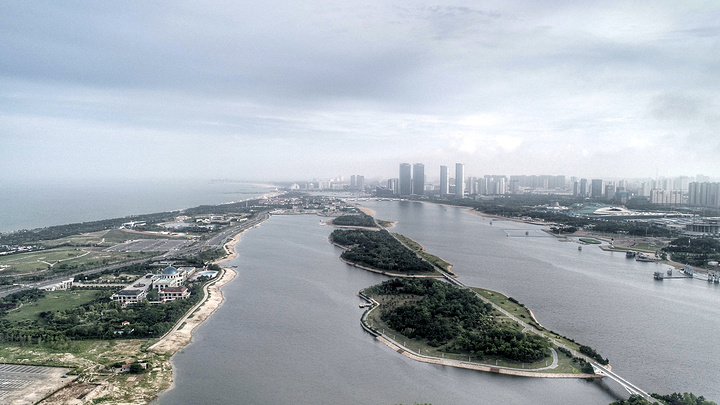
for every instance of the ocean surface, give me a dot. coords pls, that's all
(35, 205)
(289, 331)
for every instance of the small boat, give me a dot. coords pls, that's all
(630, 254)
(579, 247)
(669, 272)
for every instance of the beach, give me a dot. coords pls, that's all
(181, 335)
(144, 388)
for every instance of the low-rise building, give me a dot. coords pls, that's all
(162, 283)
(174, 293)
(137, 292)
(129, 296)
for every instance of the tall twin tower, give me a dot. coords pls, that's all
(412, 180)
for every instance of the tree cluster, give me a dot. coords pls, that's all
(672, 399)
(100, 319)
(13, 300)
(590, 352)
(360, 219)
(379, 250)
(443, 314)
(697, 245)
(694, 251)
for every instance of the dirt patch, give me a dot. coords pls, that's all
(74, 393)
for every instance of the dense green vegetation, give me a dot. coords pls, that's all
(35, 316)
(630, 228)
(590, 352)
(456, 319)
(379, 250)
(696, 252)
(360, 219)
(98, 319)
(672, 399)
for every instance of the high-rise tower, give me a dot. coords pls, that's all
(405, 179)
(443, 181)
(418, 181)
(459, 180)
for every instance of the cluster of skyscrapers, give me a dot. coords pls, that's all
(411, 180)
(673, 192)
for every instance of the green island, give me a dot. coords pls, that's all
(359, 219)
(453, 320)
(441, 320)
(379, 250)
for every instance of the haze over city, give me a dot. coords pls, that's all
(270, 91)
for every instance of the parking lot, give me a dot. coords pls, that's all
(20, 384)
(149, 245)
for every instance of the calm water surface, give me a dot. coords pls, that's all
(289, 333)
(658, 335)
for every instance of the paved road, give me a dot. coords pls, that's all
(215, 242)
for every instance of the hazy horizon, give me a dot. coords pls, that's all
(294, 91)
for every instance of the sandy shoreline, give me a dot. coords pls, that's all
(182, 336)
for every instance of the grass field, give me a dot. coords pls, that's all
(100, 238)
(53, 301)
(651, 246)
(420, 250)
(42, 259)
(507, 304)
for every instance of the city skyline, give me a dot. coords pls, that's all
(144, 90)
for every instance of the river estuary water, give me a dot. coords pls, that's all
(289, 330)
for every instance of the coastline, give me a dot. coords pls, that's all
(182, 334)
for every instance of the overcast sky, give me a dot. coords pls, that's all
(272, 90)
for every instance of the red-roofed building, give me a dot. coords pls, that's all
(174, 293)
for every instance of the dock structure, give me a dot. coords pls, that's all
(658, 275)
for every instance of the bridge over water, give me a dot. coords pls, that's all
(631, 388)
